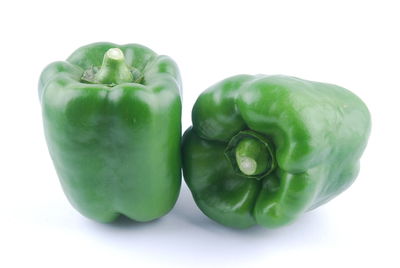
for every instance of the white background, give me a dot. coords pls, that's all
(354, 44)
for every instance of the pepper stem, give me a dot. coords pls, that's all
(251, 156)
(114, 69)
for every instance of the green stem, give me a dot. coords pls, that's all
(114, 69)
(251, 156)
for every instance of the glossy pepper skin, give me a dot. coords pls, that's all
(112, 121)
(306, 137)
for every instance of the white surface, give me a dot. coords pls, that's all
(354, 44)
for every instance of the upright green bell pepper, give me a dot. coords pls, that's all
(112, 121)
(265, 149)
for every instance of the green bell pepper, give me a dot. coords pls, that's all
(112, 121)
(265, 149)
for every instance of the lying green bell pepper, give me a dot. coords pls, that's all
(265, 149)
(112, 121)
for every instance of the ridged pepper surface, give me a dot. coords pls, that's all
(265, 149)
(112, 120)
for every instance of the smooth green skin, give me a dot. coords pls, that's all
(116, 149)
(318, 130)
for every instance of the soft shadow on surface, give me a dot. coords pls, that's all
(123, 222)
(188, 227)
(186, 234)
(186, 215)
(187, 211)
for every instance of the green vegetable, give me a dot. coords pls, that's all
(111, 118)
(265, 149)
